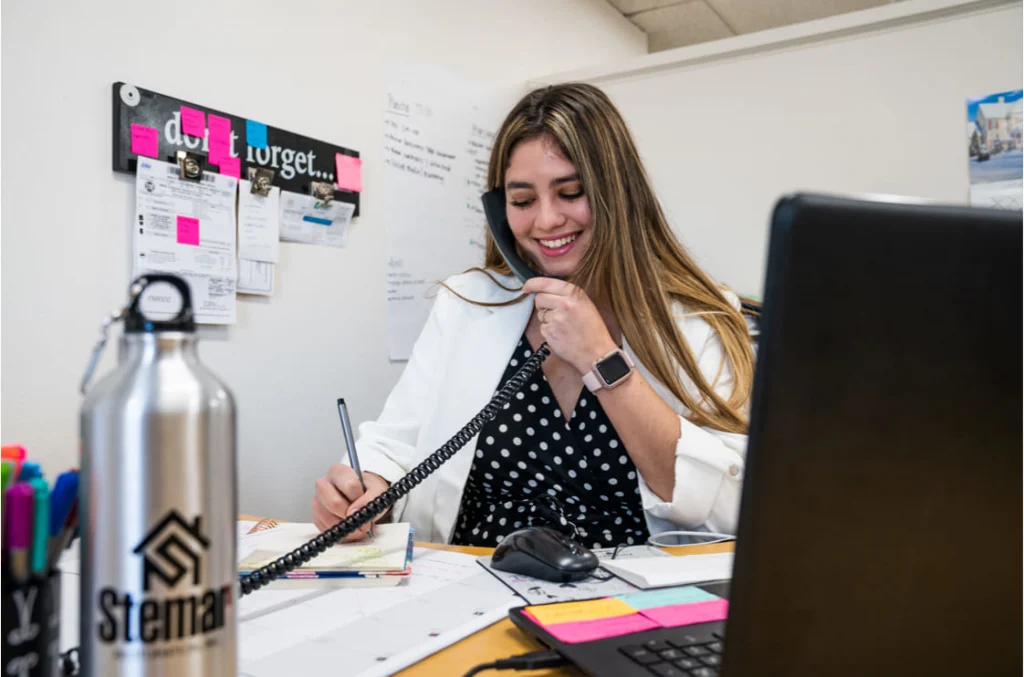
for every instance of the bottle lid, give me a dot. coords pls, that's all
(136, 322)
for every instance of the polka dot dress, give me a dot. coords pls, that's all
(533, 467)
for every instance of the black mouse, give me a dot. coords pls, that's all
(543, 552)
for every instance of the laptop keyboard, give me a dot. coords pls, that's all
(679, 656)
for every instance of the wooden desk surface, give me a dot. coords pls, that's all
(502, 639)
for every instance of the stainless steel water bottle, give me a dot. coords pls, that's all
(158, 505)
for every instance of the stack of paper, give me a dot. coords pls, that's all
(382, 560)
(659, 572)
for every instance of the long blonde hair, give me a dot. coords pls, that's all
(633, 259)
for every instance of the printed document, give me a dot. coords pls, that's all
(308, 220)
(187, 228)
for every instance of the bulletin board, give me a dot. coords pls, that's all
(296, 160)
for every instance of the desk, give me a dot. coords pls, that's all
(501, 639)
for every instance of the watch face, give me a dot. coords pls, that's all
(613, 368)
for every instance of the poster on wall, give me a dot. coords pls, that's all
(438, 131)
(996, 164)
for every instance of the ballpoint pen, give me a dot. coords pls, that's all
(353, 458)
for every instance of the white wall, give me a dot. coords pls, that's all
(312, 67)
(870, 102)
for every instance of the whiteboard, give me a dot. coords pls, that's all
(856, 104)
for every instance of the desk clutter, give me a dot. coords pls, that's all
(39, 522)
(292, 629)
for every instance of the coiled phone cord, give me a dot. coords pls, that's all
(296, 558)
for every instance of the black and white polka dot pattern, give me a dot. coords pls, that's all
(529, 454)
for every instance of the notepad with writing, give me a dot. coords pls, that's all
(383, 560)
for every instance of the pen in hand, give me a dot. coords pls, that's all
(353, 458)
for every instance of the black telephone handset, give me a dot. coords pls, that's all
(494, 210)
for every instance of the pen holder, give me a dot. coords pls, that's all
(30, 620)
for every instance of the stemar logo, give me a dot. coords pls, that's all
(171, 550)
(170, 557)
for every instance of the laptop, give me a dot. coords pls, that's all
(880, 527)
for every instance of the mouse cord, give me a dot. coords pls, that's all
(526, 661)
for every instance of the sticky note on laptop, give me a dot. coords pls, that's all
(588, 610)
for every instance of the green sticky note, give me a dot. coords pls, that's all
(653, 598)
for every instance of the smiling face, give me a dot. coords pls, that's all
(547, 210)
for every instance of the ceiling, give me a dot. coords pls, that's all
(676, 23)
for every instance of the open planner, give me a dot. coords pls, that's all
(381, 561)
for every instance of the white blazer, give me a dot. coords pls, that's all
(454, 370)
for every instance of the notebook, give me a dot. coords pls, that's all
(383, 560)
(660, 572)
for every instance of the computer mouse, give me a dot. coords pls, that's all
(545, 553)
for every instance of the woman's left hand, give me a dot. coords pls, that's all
(570, 322)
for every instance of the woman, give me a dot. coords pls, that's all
(662, 448)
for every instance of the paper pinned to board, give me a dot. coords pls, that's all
(256, 277)
(258, 228)
(206, 259)
(308, 220)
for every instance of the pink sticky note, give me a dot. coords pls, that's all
(145, 140)
(188, 230)
(219, 149)
(220, 128)
(193, 122)
(231, 166)
(219, 141)
(688, 614)
(588, 631)
(349, 172)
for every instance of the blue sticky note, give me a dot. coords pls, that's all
(667, 597)
(255, 134)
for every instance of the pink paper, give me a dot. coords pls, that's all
(349, 172)
(588, 631)
(687, 614)
(220, 128)
(231, 166)
(219, 149)
(145, 140)
(193, 122)
(188, 230)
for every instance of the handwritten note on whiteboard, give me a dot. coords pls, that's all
(436, 149)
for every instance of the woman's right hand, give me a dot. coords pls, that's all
(339, 494)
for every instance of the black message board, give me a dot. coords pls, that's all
(296, 160)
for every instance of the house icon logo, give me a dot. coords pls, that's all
(171, 550)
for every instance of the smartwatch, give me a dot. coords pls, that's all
(609, 371)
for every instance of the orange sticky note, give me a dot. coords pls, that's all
(193, 122)
(349, 172)
(145, 140)
(188, 230)
(587, 610)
